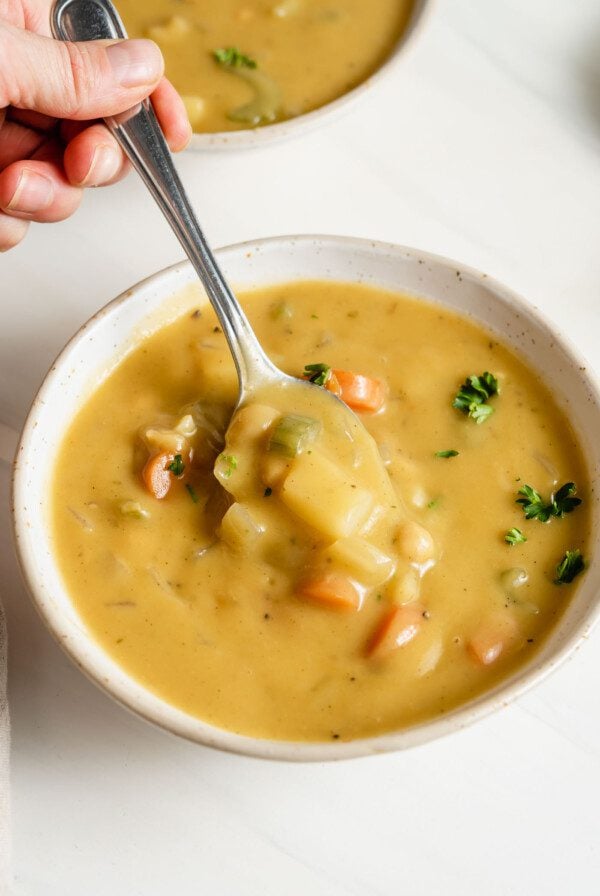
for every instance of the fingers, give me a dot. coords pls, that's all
(12, 231)
(37, 190)
(18, 142)
(93, 158)
(34, 120)
(172, 116)
(75, 80)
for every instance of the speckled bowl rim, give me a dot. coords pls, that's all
(249, 138)
(104, 672)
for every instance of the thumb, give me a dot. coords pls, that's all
(75, 80)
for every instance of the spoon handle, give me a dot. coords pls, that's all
(142, 141)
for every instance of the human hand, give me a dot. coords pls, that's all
(50, 94)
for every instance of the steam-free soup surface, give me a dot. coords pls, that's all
(237, 597)
(294, 55)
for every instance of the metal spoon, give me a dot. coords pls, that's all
(139, 134)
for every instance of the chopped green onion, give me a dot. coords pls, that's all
(569, 567)
(177, 465)
(514, 536)
(318, 374)
(192, 492)
(449, 453)
(293, 433)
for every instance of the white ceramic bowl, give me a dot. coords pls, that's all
(251, 137)
(111, 333)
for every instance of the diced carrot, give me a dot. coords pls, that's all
(362, 393)
(333, 385)
(156, 475)
(494, 635)
(398, 627)
(330, 590)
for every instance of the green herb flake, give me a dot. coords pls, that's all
(268, 492)
(229, 462)
(473, 395)
(514, 536)
(192, 492)
(177, 465)
(318, 374)
(536, 508)
(563, 501)
(449, 453)
(232, 57)
(569, 567)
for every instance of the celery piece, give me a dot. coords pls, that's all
(292, 434)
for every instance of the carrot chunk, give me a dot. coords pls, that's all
(156, 474)
(495, 634)
(333, 385)
(397, 628)
(330, 590)
(361, 393)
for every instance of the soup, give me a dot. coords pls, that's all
(259, 578)
(243, 63)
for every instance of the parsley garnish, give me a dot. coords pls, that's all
(450, 453)
(514, 536)
(563, 501)
(231, 57)
(560, 503)
(230, 463)
(472, 396)
(569, 567)
(177, 465)
(192, 492)
(317, 373)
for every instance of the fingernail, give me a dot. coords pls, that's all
(34, 192)
(135, 63)
(105, 164)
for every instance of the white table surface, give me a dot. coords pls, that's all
(485, 146)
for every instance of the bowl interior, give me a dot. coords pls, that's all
(102, 342)
(272, 133)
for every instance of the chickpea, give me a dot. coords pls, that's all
(250, 423)
(415, 543)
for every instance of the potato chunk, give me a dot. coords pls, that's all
(319, 493)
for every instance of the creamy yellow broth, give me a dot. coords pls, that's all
(209, 617)
(307, 52)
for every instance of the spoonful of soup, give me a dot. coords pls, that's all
(291, 439)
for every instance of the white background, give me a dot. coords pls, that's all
(484, 146)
